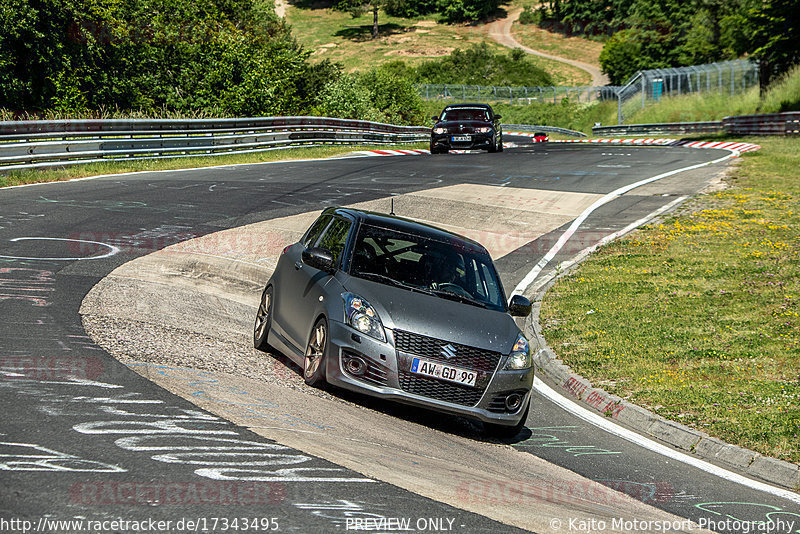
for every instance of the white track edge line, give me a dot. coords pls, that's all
(526, 282)
(638, 439)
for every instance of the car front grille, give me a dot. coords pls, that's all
(433, 349)
(443, 391)
(484, 362)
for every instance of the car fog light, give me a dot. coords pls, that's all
(513, 402)
(355, 366)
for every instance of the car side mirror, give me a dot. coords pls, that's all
(498, 117)
(519, 306)
(435, 118)
(319, 258)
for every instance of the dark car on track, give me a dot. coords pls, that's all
(402, 311)
(466, 127)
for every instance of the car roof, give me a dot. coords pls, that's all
(395, 222)
(469, 106)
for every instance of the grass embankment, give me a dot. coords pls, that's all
(337, 36)
(696, 318)
(117, 167)
(558, 44)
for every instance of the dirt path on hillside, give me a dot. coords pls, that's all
(280, 8)
(500, 31)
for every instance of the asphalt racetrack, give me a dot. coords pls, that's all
(117, 448)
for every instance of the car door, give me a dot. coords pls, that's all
(306, 284)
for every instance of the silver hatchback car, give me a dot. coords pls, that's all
(403, 311)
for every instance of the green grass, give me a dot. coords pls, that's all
(115, 167)
(337, 36)
(696, 317)
(692, 108)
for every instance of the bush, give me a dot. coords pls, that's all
(530, 16)
(409, 8)
(481, 65)
(620, 57)
(466, 10)
(377, 95)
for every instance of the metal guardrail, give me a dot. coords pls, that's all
(36, 144)
(660, 128)
(766, 124)
(535, 128)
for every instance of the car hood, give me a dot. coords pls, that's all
(437, 317)
(471, 124)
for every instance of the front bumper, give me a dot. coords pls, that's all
(386, 375)
(477, 141)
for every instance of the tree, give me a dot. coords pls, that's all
(620, 56)
(775, 38)
(358, 7)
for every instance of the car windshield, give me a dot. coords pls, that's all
(449, 269)
(465, 114)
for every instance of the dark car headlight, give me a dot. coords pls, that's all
(484, 129)
(439, 130)
(520, 357)
(362, 316)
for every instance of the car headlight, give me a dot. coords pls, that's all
(362, 316)
(520, 357)
(484, 129)
(439, 130)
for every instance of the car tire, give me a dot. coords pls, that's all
(492, 148)
(316, 354)
(500, 145)
(263, 322)
(504, 431)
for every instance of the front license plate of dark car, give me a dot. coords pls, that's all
(460, 139)
(443, 372)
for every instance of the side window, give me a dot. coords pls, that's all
(315, 231)
(335, 237)
(490, 284)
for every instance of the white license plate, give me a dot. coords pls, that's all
(461, 139)
(443, 372)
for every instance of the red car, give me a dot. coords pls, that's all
(539, 137)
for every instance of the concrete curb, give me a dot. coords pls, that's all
(700, 444)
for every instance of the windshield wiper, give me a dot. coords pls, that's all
(391, 281)
(459, 297)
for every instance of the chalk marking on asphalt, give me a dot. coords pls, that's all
(526, 282)
(111, 252)
(637, 439)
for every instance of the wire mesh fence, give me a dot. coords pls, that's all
(650, 86)
(646, 86)
(512, 95)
